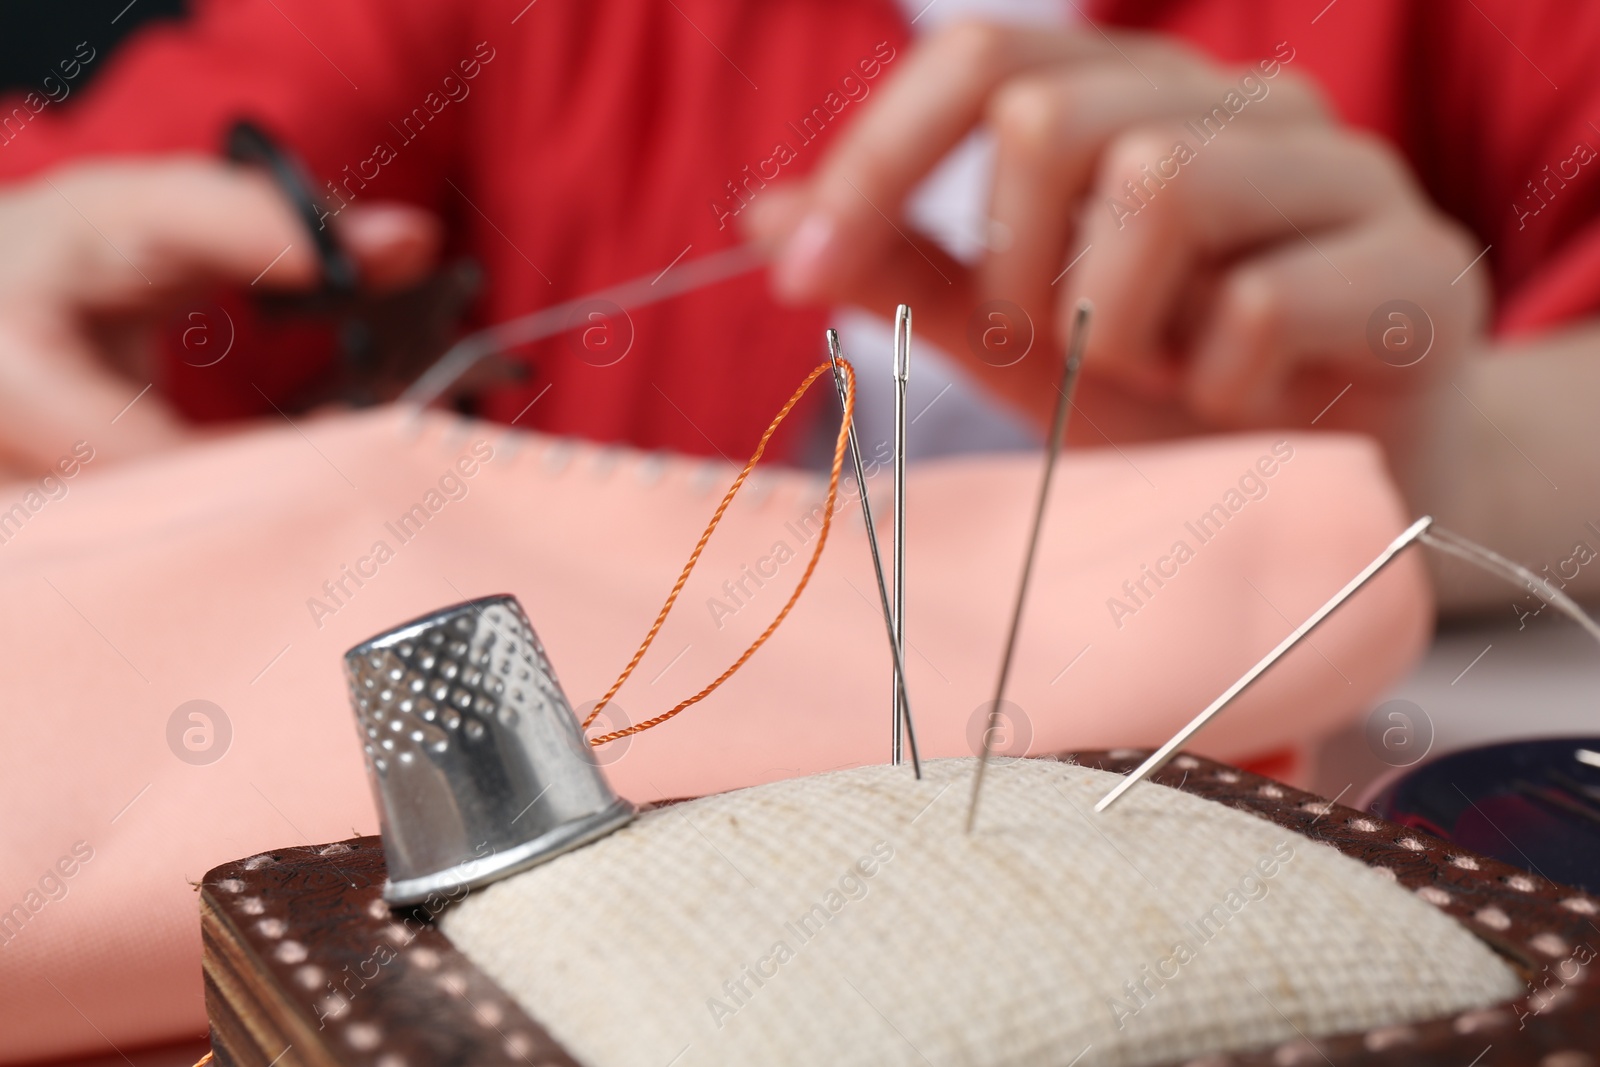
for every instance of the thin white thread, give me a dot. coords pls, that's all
(1453, 544)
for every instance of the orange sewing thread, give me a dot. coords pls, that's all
(694, 557)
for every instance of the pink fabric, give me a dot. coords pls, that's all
(192, 576)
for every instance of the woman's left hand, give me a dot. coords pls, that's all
(1250, 260)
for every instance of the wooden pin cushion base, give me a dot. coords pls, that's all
(305, 965)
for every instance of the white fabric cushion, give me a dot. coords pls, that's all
(846, 918)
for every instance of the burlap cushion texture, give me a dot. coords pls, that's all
(847, 918)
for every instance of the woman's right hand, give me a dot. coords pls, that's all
(93, 257)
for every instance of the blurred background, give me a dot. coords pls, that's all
(34, 36)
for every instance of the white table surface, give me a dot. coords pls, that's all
(1483, 682)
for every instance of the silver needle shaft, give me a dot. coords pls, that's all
(1159, 758)
(547, 322)
(902, 367)
(1058, 432)
(877, 558)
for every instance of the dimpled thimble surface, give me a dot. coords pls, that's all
(476, 759)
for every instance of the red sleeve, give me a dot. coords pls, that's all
(1504, 91)
(325, 77)
(1489, 100)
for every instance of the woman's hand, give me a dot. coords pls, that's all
(1236, 241)
(93, 256)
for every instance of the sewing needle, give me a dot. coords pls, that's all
(548, 322)
(902, 367)
(1159, 758)
(877, 558)
(1058, 432)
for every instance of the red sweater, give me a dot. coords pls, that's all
(573, 145)
(1490, 100)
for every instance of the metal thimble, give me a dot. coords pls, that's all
(476, 759)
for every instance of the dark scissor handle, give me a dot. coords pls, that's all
(249, 143)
